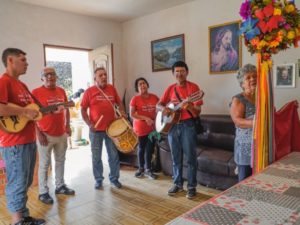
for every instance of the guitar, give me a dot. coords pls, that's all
(163, 123)
(14, 124)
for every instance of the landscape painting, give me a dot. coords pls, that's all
(165, 52)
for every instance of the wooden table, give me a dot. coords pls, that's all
(269, 197)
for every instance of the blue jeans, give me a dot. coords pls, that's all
(244, 171)
(145, 150)
(20, 162)
(96, 139)
(183, 139)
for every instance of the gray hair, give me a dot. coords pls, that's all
(43, 70)
(248, 68)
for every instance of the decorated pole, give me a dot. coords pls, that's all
(268, 27)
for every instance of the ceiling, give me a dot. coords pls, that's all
(116, 10)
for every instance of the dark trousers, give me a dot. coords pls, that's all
(145, 150)
(244, 172)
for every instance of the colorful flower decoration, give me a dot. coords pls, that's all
(269, 25)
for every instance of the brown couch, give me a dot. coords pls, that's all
(214, 153)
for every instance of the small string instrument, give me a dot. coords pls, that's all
(163, 123)
(14, 124)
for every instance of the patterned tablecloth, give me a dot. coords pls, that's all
(270, 197)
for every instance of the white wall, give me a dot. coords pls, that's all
(28, 27)
(192, 19)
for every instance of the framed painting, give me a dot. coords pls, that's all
(299, 67)
(285, 75)
(225, 48)
(166, 51)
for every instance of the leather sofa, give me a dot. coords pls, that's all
(215, 148)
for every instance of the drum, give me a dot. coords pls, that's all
(122, 135)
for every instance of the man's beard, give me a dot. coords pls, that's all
(227, 47)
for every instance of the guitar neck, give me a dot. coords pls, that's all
(193, 98)
(179, 105)
(52, 108)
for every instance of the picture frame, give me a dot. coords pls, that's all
(285, 75)
(166, 51)
(299, 67)
(225, 48)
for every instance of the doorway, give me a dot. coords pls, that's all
(71, 65)
(75, 66)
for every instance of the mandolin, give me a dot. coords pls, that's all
(14, 124)
(164, 123)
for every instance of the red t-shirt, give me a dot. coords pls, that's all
(184, 92)
(144, 107)
(99, 105)
(53, 124)
(13, 91)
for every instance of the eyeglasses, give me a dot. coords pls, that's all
(50, 74)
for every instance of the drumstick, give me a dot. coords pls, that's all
(98, 121)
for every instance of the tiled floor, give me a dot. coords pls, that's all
(140, 201)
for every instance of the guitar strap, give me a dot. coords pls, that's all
(180, 100)
(32, 96)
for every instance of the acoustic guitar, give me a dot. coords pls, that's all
(14, 124)
(163, 123)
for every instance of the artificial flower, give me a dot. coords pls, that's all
(272, 25)
(274, 43)
(262, 44)
(245, 10)
(266, 2)
(249, 29)
(296, 40)
(277, 12)
(254, 41)
(291, 35)
(289, 8)
(267, 22)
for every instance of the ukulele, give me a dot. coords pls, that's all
(14, 124)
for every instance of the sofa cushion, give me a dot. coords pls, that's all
(164, 143)
(214, 161)
(218, 123)
(166, 162)
(198, 152)
(217, 140)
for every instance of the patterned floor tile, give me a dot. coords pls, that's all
(248, 220)
(250, 193)
(268, 212)
(283, 173)
(271, 197)
(291, 167)
(287, 201)
(293, 191)
(266, 185)
(180, 221)
(293, 159)
(230, 203)
(214, 215)
(297, 222)
(277, 180)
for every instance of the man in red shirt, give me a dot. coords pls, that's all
(182, 137)
(101, 99)
(18, 149)
(52, 132)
